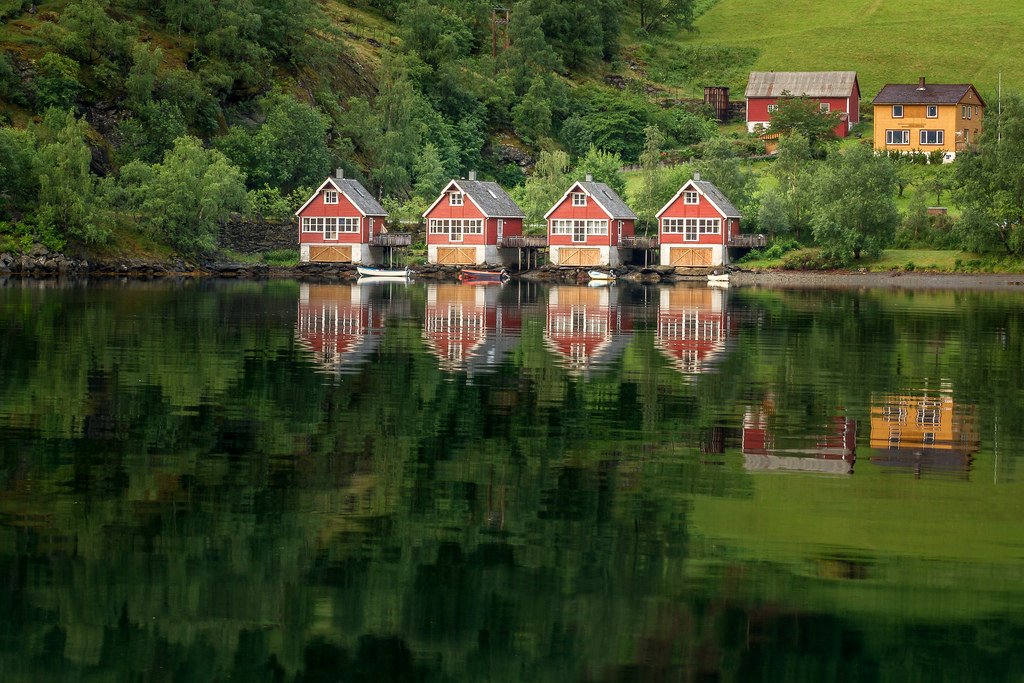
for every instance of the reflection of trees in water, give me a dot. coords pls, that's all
(181, 494)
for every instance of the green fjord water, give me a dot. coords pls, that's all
(277, 481)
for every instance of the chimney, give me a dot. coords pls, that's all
(920, 83)
(590, 178)
(696, 176)
(472, 175)
(339, 173)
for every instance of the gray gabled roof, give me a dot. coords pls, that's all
(491, 198)
(609, 199)
(716, 196)
(801, 83)
(358, 195)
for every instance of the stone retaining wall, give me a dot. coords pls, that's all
(257, 235)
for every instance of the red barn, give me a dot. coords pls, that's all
(694, 327)
(834, 91)
(468, 222)
(585, 325)
(337, 324)
(696, 226)
(586, 226)
(340, 222)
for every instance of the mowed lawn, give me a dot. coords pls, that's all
(885, 41)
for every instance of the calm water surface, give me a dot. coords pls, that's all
(301, 482)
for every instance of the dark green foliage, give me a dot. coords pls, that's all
(854, 208)
(183, 199)
(580, 32)
(990, 185)
(802, 115)
(287, 150)
(56, 82)
(655, 15)
(68, 198)
(151, 132)
(11, 87)
(19, 184)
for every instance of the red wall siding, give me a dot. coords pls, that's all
(343, 209)
(592, 211)
(467, 210)
(705, 209)
(757, 109)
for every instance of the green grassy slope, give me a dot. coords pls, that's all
(883, 40)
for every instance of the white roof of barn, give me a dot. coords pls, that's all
(801, 83)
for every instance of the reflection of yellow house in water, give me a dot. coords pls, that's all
(923, 432)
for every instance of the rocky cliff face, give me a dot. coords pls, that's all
(247, 235)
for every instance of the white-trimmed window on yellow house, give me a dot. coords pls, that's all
(933, 137)
(897, 137)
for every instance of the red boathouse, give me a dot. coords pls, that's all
(468, 223)
(834, 91)
(341, 223)
(586, 226)
(697, 225)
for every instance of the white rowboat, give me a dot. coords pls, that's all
(600, 275)
(381, 272)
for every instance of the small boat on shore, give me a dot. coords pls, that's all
(600, 275)
(718, 278)
(382, 272)
(469, 275)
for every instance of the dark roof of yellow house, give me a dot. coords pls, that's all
(924, 93)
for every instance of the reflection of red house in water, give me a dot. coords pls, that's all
(831, 449)
(467, 328)
(693, 327)
(585, 325)
(338, 324)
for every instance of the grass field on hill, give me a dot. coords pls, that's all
(883, 40)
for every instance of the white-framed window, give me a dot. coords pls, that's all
(455, 199)
(456, 227)
(933, 137)
(691, 197)
(897, 111)
(932, 111)
(348, 224)
(970, 109)
(772, 108)
(312, 224)
(824, 107)
(330, 228)
(691, 228)
(330, 196)
(897, 137)
(967, 137)
(579, 199)
(578, 228)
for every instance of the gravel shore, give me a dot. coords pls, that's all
(894, 280)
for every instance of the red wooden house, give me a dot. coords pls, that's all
(834, 91)
(697, 225)
(338, 324)
(467, 328)
(341, 223)
(694, 327)
(586, 226)
(585, 325)
(468, 222)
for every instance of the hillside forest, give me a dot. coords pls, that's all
(139, 126)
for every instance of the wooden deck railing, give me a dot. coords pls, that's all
(523, 242)
(391, 239)
(749, 241)
(635, 242)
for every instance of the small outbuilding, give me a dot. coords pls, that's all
(834, 91)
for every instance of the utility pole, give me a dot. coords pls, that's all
(499, 17)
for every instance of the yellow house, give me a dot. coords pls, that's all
(926, 117)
